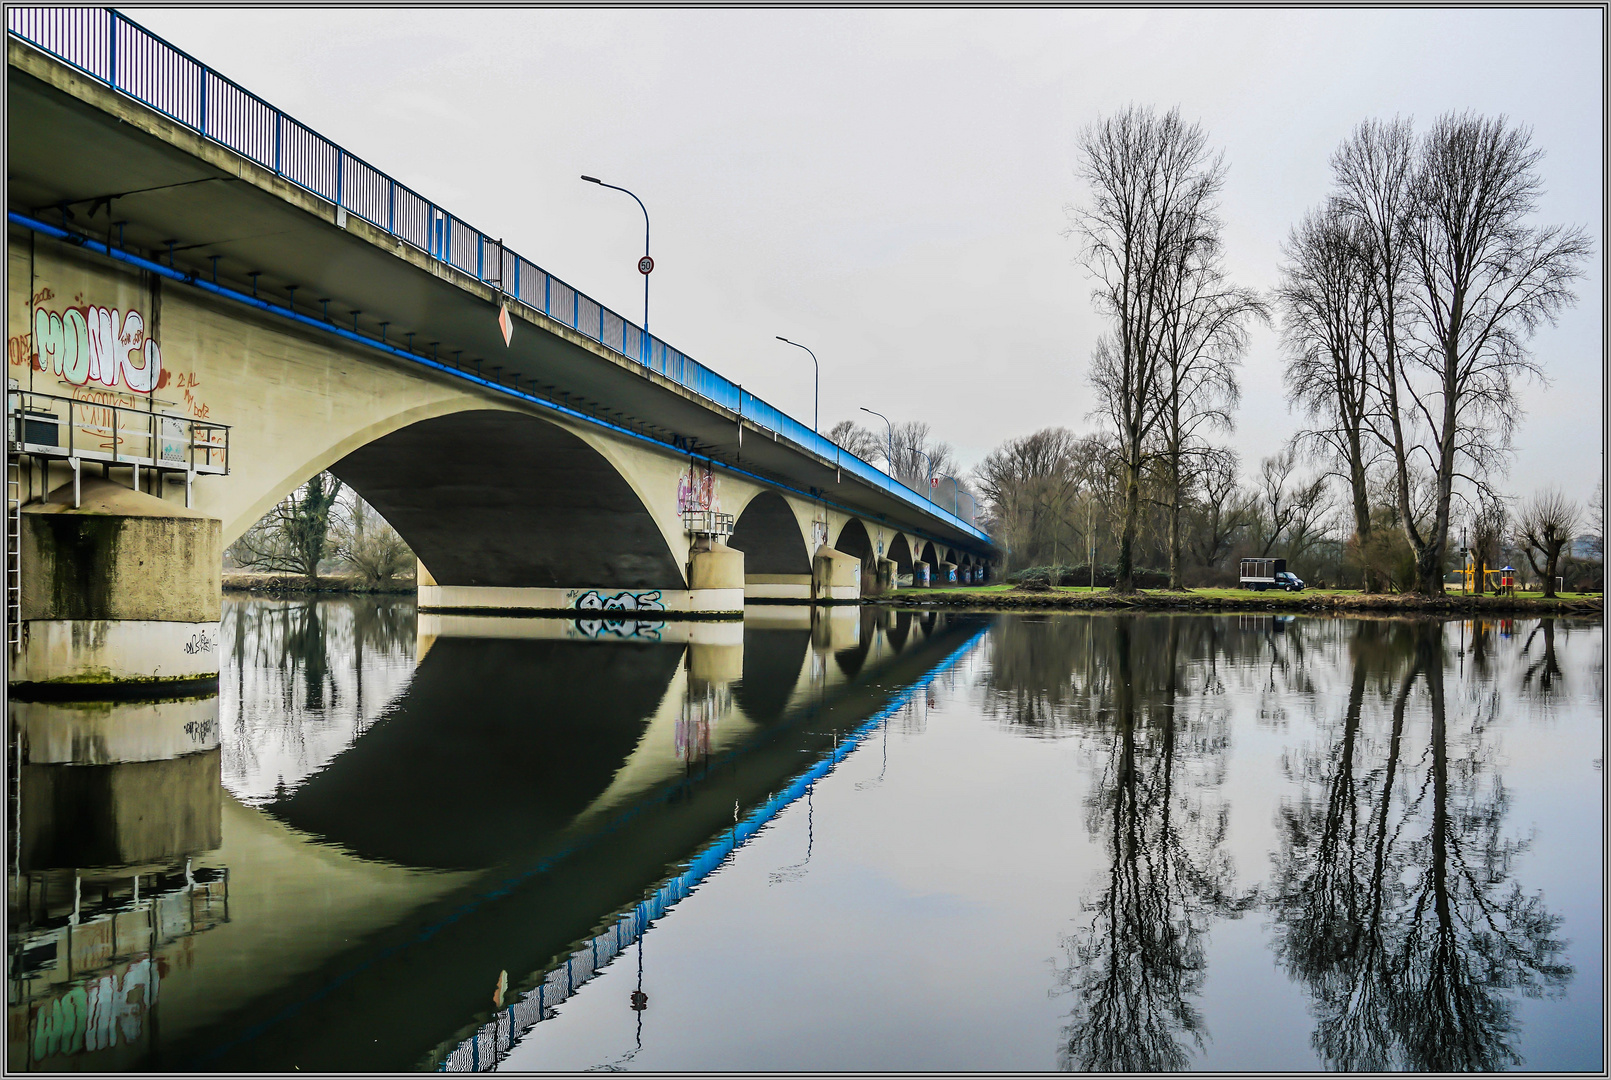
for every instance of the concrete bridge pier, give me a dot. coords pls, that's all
(120, 596)
(835, 577)
(716, 575)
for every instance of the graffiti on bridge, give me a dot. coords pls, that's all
(593, 600)
(697, 491)
(624, 601)
(96, 344)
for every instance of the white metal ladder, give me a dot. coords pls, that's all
(13, 552)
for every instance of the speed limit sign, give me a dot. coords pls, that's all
(645, 265)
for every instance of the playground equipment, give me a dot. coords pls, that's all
(1500, 582)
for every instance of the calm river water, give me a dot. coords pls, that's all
(859, 839)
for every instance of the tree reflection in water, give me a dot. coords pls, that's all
(305, 669)
(1135, 969)
(1393, 897)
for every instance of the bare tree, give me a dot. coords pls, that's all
(1030, 484)
(293, 537)
(1205, 334)
(1489, 523)
(365, 541)
(1330, 325)
(1546, 526)
(1596, 519)
(858, 440)
(1292, 511)
(919, 456)
(1153, 184)
(1461, 284)
(1221, 508)
(1374, 170)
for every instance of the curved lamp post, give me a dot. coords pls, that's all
(956, 490)
(645, 264)
(930, 460)
(889, 461)
(816, 385)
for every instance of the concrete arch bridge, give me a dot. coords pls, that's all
(210, 304)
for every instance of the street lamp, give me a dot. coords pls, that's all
(890, 458)
(956, 488)
(816, 386)
(645, 264)
(930, 460)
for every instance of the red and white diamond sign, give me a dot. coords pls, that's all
(505, 324)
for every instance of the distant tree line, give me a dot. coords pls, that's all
(1406, 304)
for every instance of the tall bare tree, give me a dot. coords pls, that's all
(1545, 526)
(1461, 283)
(1485, 281)
(1153, 183)
(1330, 324)
(1374, 171)
(1205, 333)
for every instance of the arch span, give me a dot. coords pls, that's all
(505, 499)
(899, 552)
(927, 555)
(768, 533)
(853, 540)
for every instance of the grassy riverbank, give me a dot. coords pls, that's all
(1079, 597)
(254, 581)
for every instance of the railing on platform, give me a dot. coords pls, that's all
(53, 426)
(707, 523)
(124, 55)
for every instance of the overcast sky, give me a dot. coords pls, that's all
(892, 187)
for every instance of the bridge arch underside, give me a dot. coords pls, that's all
(899, 552)
(853, 540)
(777, 564)
(495, 499)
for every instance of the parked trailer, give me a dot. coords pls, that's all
(1261, 574)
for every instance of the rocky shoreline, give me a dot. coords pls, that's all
(1329, 604)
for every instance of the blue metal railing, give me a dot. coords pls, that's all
(110, 48)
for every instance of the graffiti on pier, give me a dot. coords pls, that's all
(625, 601)
(202, 731)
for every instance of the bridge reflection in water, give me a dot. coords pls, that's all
(383, 818)
(391, 807)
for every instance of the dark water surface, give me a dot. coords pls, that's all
(856, 840)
